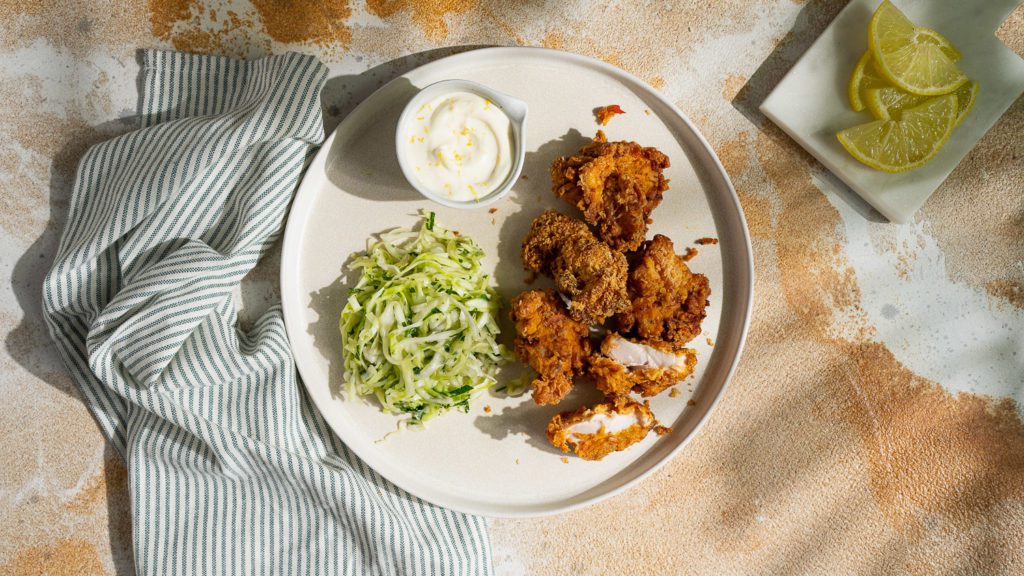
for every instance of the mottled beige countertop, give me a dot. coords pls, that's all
(873, 427)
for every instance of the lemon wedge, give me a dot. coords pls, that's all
(965, 97)
(888, 103)
(910, 57)
(864, 77)
(929, 35)
(904, 144)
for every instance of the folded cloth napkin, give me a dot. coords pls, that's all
(231, 469)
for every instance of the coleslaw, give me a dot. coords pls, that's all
(419, 329)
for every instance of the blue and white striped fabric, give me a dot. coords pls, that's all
(232, 470)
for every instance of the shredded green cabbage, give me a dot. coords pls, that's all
(419, 330)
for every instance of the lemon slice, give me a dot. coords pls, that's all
(888, 103)
(933, 37)
(965, 97)
(864, 77)
(905, 144)
(909, 57)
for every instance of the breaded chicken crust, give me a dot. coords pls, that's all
(667, 301)
(615, 379)
(550, 342)
(616, 185)
(589, 273)
(597, 445)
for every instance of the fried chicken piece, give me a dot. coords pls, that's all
(668, 301)
(648, 369)
(616, 184)
(593, 433)
(549, 341)
(589, 273)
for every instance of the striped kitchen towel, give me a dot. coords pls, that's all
(232, 470)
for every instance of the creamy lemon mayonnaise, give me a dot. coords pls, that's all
(460, 146)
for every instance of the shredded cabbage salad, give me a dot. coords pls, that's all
(419, 330)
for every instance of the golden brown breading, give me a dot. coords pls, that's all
(594, 444)
(616, 184)
(549, 341)
(668, 301)
(589, 273)
(615, 379)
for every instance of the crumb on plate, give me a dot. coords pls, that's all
(707, 240)
(673, 393)
(606, 113)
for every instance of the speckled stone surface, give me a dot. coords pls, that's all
(874, 425)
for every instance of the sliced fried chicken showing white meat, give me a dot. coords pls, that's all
(595, 432)
(647, 368)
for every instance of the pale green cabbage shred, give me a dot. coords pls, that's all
(419, 330)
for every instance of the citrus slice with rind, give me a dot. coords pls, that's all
(929, 35)
(965, 98)
(905, 144)
(888, 103)
(909, 57)
(864, 77)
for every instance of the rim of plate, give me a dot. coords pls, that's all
(737, 219)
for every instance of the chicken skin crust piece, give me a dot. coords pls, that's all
(668, 301)
(589, 273)
(616, 185)
(550, 342)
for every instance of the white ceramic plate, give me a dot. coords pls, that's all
(499, 463)
(811, 104)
